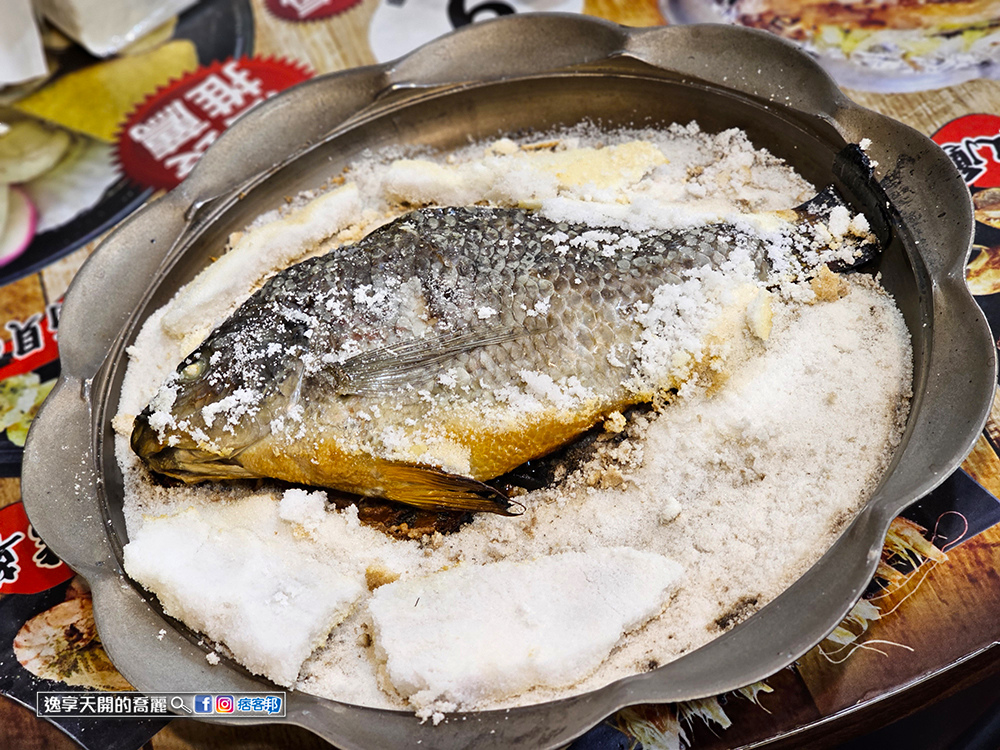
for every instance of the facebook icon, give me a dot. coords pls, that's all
(204, 704)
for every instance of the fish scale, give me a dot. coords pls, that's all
(442, 350)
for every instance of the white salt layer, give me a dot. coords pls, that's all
(258, 251)
(307, 509)
(745, 488)
(271, 603)
(486, 632)
(526, 177)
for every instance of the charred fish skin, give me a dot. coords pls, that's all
(478, 337)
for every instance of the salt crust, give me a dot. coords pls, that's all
(276, 603)
(745, 489)
(307, 509)
(478, 632)
(279, 244)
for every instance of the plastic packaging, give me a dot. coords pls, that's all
(105, 26)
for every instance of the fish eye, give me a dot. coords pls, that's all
(193, 370)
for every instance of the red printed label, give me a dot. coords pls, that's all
(32, 343)
(167, 134)
(308, 10)
(972, 142)
(27, 565)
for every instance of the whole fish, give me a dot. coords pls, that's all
(442, 350)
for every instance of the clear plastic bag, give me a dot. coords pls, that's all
(21, 54)
(105, 26)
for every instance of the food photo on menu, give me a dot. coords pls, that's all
(397, 373)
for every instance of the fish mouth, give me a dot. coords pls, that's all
(187, 463)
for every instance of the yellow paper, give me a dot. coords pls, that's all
(96, 100)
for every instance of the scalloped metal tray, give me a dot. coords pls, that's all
(518, 73)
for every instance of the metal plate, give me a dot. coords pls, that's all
(518, 73)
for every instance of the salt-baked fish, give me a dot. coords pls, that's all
(441, 351)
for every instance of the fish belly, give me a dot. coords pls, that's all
(423, 471)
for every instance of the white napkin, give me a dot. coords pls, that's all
(21, 54)
(105, 26)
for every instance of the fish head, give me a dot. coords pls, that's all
(213, 407)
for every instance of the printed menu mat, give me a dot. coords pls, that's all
(191, 77)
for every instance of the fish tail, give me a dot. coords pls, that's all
(430, 488)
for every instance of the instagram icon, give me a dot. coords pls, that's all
(223, 704)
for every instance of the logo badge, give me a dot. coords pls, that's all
(308, 10)
(27, 565)
(204, 704)
(166, 135)
(224, 704)
(972, 143)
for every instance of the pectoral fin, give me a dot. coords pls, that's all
(433, 489)
(389, 366)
